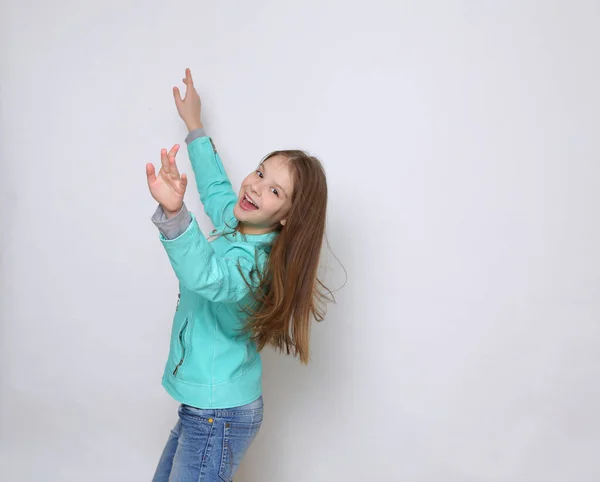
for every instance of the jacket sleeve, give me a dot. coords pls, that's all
(216, 193)
(215, 277)
(174, 227)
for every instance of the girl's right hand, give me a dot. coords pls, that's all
(190, 106)
(169, 186)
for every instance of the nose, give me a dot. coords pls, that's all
(255, 188)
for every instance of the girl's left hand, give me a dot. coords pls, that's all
(169, 186)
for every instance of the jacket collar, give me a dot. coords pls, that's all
(228, 229)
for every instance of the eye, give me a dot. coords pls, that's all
(259, 172)
(275, 192)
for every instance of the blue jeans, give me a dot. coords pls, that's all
(207, 445)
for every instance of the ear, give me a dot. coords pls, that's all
(283, 221)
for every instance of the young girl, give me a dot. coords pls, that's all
(252, 283)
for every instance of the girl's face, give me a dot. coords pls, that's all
(270, 188)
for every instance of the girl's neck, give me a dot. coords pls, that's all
(250, 230)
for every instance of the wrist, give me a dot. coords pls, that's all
(170, 214)
(193, 125)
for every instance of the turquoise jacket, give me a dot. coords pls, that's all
(210, 364)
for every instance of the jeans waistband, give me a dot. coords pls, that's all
(256, 405)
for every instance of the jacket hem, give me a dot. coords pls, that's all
(239, 391)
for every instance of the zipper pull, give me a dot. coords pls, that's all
(178, 299)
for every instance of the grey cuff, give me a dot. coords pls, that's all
(195, 134)
(174, 227)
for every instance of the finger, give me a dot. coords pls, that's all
(150, 173)
(178, 185)
(181, 185)
(164, 160)
(173, 171)
(188, 76)
(189, 83)
(177, 96)
(174, 150)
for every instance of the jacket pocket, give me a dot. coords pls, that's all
(182, 345)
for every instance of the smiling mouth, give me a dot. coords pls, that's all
(247, 204)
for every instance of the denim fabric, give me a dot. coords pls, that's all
(207, 445)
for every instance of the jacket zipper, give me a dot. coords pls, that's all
(182, 346)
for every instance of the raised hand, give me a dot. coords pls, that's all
(190, 106)
(169, 186)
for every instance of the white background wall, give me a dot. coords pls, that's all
(462, 151)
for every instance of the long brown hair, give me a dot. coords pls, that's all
(289, 294)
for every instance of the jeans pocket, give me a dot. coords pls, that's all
(237, 438)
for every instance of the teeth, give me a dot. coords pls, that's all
(250, 200)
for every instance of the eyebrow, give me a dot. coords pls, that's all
(279, 186)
